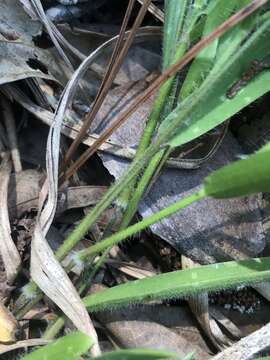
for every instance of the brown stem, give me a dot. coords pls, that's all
(112, 70)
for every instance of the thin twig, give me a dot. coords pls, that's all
(153, 9)
(172, 70)
(110, 74)
(11, 133)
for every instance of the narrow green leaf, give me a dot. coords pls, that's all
(223, 110)
(210, 106)
(243, 177)
(182, 283)
(138, 354)
(69, 347)
(174, 18)
(203, 63)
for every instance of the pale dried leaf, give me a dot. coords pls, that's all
(45, 269)
(130, 269)
(82, 39)
(22, 344)
(8, 250)
(8, 325)
(29, 9)
(226, 323)
(70, 125)
(20, 58)
(13, 18)
(142, 58)
(248, 348)
(264, 290)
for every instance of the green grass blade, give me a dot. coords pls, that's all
(204, 62)
(182, 283)
(210, 106)
(139, 354)
(69, 347)
(174, 19)
(243, 177)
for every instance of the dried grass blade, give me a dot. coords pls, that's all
(153, 9)
(8, 250)
(45, 269)
(22, 344)
(38, 8)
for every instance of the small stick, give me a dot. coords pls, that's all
(11, 133)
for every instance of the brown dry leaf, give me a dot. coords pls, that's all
(24, 188)
(79, 197)
(8, 326)
(144, 328)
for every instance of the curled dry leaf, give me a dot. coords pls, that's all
(45, 269)
(20, 57)
(8, 250)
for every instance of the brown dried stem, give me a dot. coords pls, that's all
(112, 70)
